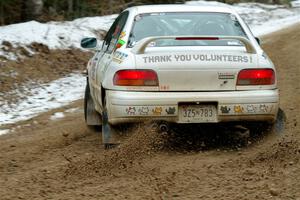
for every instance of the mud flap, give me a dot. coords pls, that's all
(93, 118)
(109, 134)
(279, 125)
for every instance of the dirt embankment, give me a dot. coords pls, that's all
(42, 67)
(64, 160)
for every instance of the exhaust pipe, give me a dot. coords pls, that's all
(164, 127)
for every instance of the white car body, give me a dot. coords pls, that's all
(196, 84)
(295, 4)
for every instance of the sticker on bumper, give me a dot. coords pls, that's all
(150, 111)
(246, 109)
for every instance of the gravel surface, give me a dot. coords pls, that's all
(63, 159)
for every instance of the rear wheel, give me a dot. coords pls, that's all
(267, 127)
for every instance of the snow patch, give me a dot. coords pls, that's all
(60, 115)
(4, 131)
(57, 115)
(55, 35)
(73, 110)
(43, 98)
(264, 19)
(276, 25)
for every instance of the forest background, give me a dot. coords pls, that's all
(15, 11)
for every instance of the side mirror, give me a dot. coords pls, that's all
(88, 43)
(257, 40)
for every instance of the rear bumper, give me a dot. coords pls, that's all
(125, 106)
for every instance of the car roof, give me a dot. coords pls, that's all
(180, 8)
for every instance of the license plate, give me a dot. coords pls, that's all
(197, 113)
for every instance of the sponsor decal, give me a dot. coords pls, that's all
(263, 108)
(150, 110)
(198, 57)
(131, 110)
(119, 56)
(157, 110)
(225, 109)
(122, 35)
(120, 43)
(250, 108)
(238, 109)
(246, 109)
(143, 111)
(171, 110)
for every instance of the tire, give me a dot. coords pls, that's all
(86, 96)
(269, 127)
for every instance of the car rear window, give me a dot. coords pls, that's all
(181, 24)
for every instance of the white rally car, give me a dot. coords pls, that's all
(180, 64)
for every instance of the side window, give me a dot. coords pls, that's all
(114, 32)
(108, 36)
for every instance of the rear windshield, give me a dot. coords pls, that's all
(170, 24)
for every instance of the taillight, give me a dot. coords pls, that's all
(136, 78)
(256, 77)
(197, 38)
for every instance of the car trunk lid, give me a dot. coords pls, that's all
(196, 70)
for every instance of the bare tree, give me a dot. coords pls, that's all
(33, 8)
(70, 6)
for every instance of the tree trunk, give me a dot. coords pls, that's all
(1, 14)
(70, 6)
(34, 8)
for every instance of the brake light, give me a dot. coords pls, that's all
(135, 78)
(197, 38)
(256, 77)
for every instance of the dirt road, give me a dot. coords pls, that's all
(63, 159)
